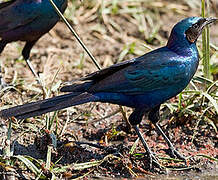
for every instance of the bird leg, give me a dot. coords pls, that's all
(2, 45)
(172, 149)
(26, 54)
(154, 116)
(2, 82)
(151, 156)
(135, 118)
(33, 70)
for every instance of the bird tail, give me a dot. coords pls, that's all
(48, 105)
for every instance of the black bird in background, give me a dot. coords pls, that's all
(27, 20)
(143, 83)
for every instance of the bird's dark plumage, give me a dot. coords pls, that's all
(27, 20)
(143, 83)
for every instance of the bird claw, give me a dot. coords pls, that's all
(153, 161)
(173, 152)
(176, 154)
(151, 156)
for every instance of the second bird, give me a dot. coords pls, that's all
(27, 20)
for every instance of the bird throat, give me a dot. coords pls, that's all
(181, 45)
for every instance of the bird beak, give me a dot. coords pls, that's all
(205, 22)
(193, 33)
(208, 21)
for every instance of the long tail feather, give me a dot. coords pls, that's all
(47, 105)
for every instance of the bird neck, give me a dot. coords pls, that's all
(180, 45)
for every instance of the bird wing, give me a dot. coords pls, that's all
(95, 77)
(101, 74)
(159, 77)
(153, 71)
(17, 13)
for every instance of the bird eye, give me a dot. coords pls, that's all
(195, 26)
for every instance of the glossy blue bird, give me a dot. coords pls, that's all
(143, 83)
(27, 20)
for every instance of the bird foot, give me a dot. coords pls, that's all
(151, 156)
(154, 161)
(175, 154)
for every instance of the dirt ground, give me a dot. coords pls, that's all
(58, 58)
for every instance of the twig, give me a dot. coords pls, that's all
(87, 51)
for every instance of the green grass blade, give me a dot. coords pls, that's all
(212, 100)
(29, 165)
(205, 44)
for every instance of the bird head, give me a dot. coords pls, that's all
(195, 29)
(188, 30)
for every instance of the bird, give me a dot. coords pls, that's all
(142, 83)
(27, 20)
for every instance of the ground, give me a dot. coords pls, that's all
(113, 32)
